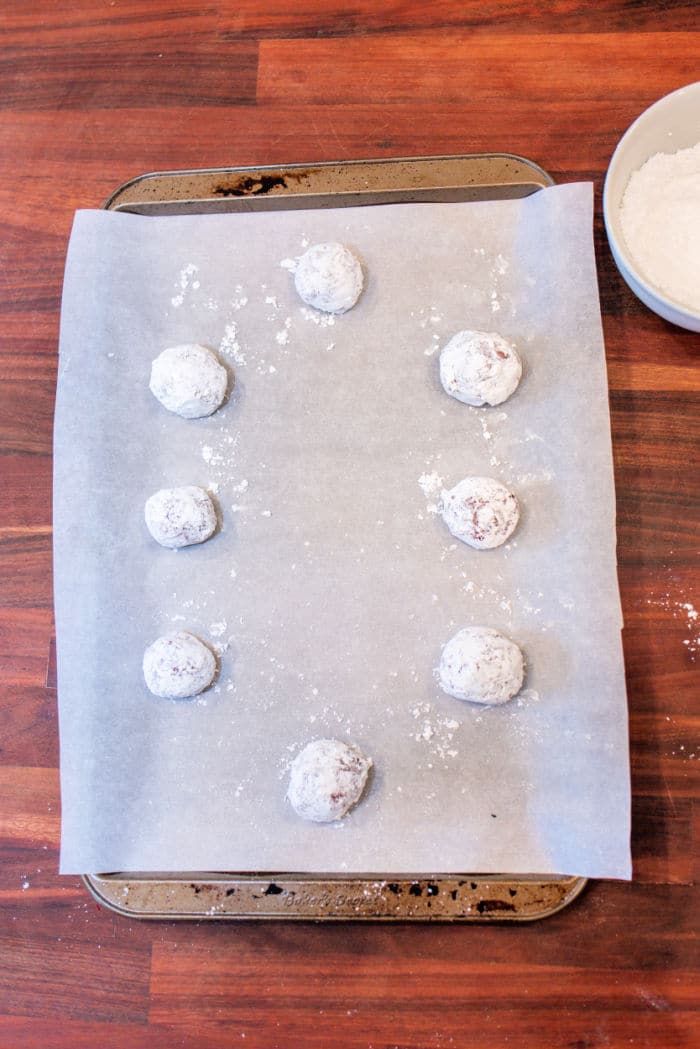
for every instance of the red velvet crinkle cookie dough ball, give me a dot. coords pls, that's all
(480, 367)
(178, 517)
(178, 666)
(481, 665)
(189, 380)
(480, 512)
(327, 779)
(329, 277)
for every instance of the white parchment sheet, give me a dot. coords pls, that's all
(333, 583)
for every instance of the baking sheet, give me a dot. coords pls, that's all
(333, 583)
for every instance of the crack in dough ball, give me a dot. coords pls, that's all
(326, 779)
(178, 517)
(479, 367)
(480, 511)
(329, 278)
(178, 666)
(189, 381)
(481, 665)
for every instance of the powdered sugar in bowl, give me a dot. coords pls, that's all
(651, 205)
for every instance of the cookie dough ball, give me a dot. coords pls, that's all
(482, 666)
(329, 278)
(178, 517)
(327, 778)
(479, 367)
(189, 381)
(178, 666)
(480, 511)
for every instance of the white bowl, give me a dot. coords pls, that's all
(671, 124)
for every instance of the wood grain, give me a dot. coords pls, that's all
(455, 67)
(313, 18)
(95, 93)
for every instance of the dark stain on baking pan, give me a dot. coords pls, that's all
(255, 185)
(273, 890)
(488, 906)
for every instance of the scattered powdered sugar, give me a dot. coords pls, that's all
(485, 432)
(230, 345)
(501, 265)
(431, 486)
(282, 336)
(488, 593)
(513, 604)
(432, 349)
(289, 264)
(429, 316)
(210, 456)
(534, 478)
(436, 730)
(685, 609)
(325, 320)
(187, 281)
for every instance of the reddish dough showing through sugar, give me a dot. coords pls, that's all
(178, 666)
(480, 368)
(481, 512)
(326, 779)
(178, 517)
(481, 665)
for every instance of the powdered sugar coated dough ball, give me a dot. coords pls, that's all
(329, 278)
(480, 511)
(326, 779)
(481, 665)
(479, 367)
(178, 517)
(189, 380)
(178, 666)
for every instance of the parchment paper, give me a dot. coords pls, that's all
(333, 583)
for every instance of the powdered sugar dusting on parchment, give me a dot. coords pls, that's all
(188, 279)
(230, 345)
(431, 486)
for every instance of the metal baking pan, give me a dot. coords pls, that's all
(285, 895)
(317, 897)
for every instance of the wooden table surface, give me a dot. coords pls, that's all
(94, 92)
